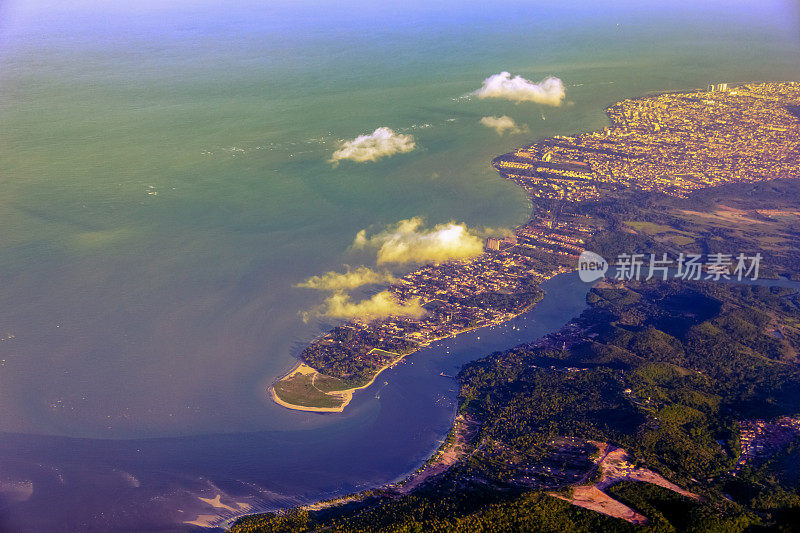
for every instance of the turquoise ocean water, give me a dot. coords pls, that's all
(127, 314)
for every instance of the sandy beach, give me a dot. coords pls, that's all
(346, 395)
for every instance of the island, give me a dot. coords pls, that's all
(670, 172)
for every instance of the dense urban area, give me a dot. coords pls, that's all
(658, 150)
(667, 405)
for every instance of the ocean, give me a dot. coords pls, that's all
(166, 182)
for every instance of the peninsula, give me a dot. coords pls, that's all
(665, 406)
(664, 146)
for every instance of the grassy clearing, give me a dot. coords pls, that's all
(299, 390)
(384, 353)
(330, 384)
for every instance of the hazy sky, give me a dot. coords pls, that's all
(152, 14)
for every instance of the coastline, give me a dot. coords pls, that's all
(432, 466)
(302, 367)
(432, 461)
(346, 395)
(556, 171)
(457, 444)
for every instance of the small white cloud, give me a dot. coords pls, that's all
(503, 124)
(549, 91)
(381, 305)
(383, 142)
(409, 242)
(334, 281)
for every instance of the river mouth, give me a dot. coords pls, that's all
(388, 431)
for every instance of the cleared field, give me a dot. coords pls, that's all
(615, 466)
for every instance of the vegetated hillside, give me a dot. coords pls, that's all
(741, 218)
(666, 370)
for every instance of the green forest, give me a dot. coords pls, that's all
(666, 370)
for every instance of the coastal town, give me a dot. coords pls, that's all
(650, 394)
(672, 143)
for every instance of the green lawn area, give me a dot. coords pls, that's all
(298, 390)
(329, 383)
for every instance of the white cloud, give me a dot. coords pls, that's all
(334, 281)
(381, 305)
(408, 241)
(383, 142)
(503, 124)
(549, 91)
